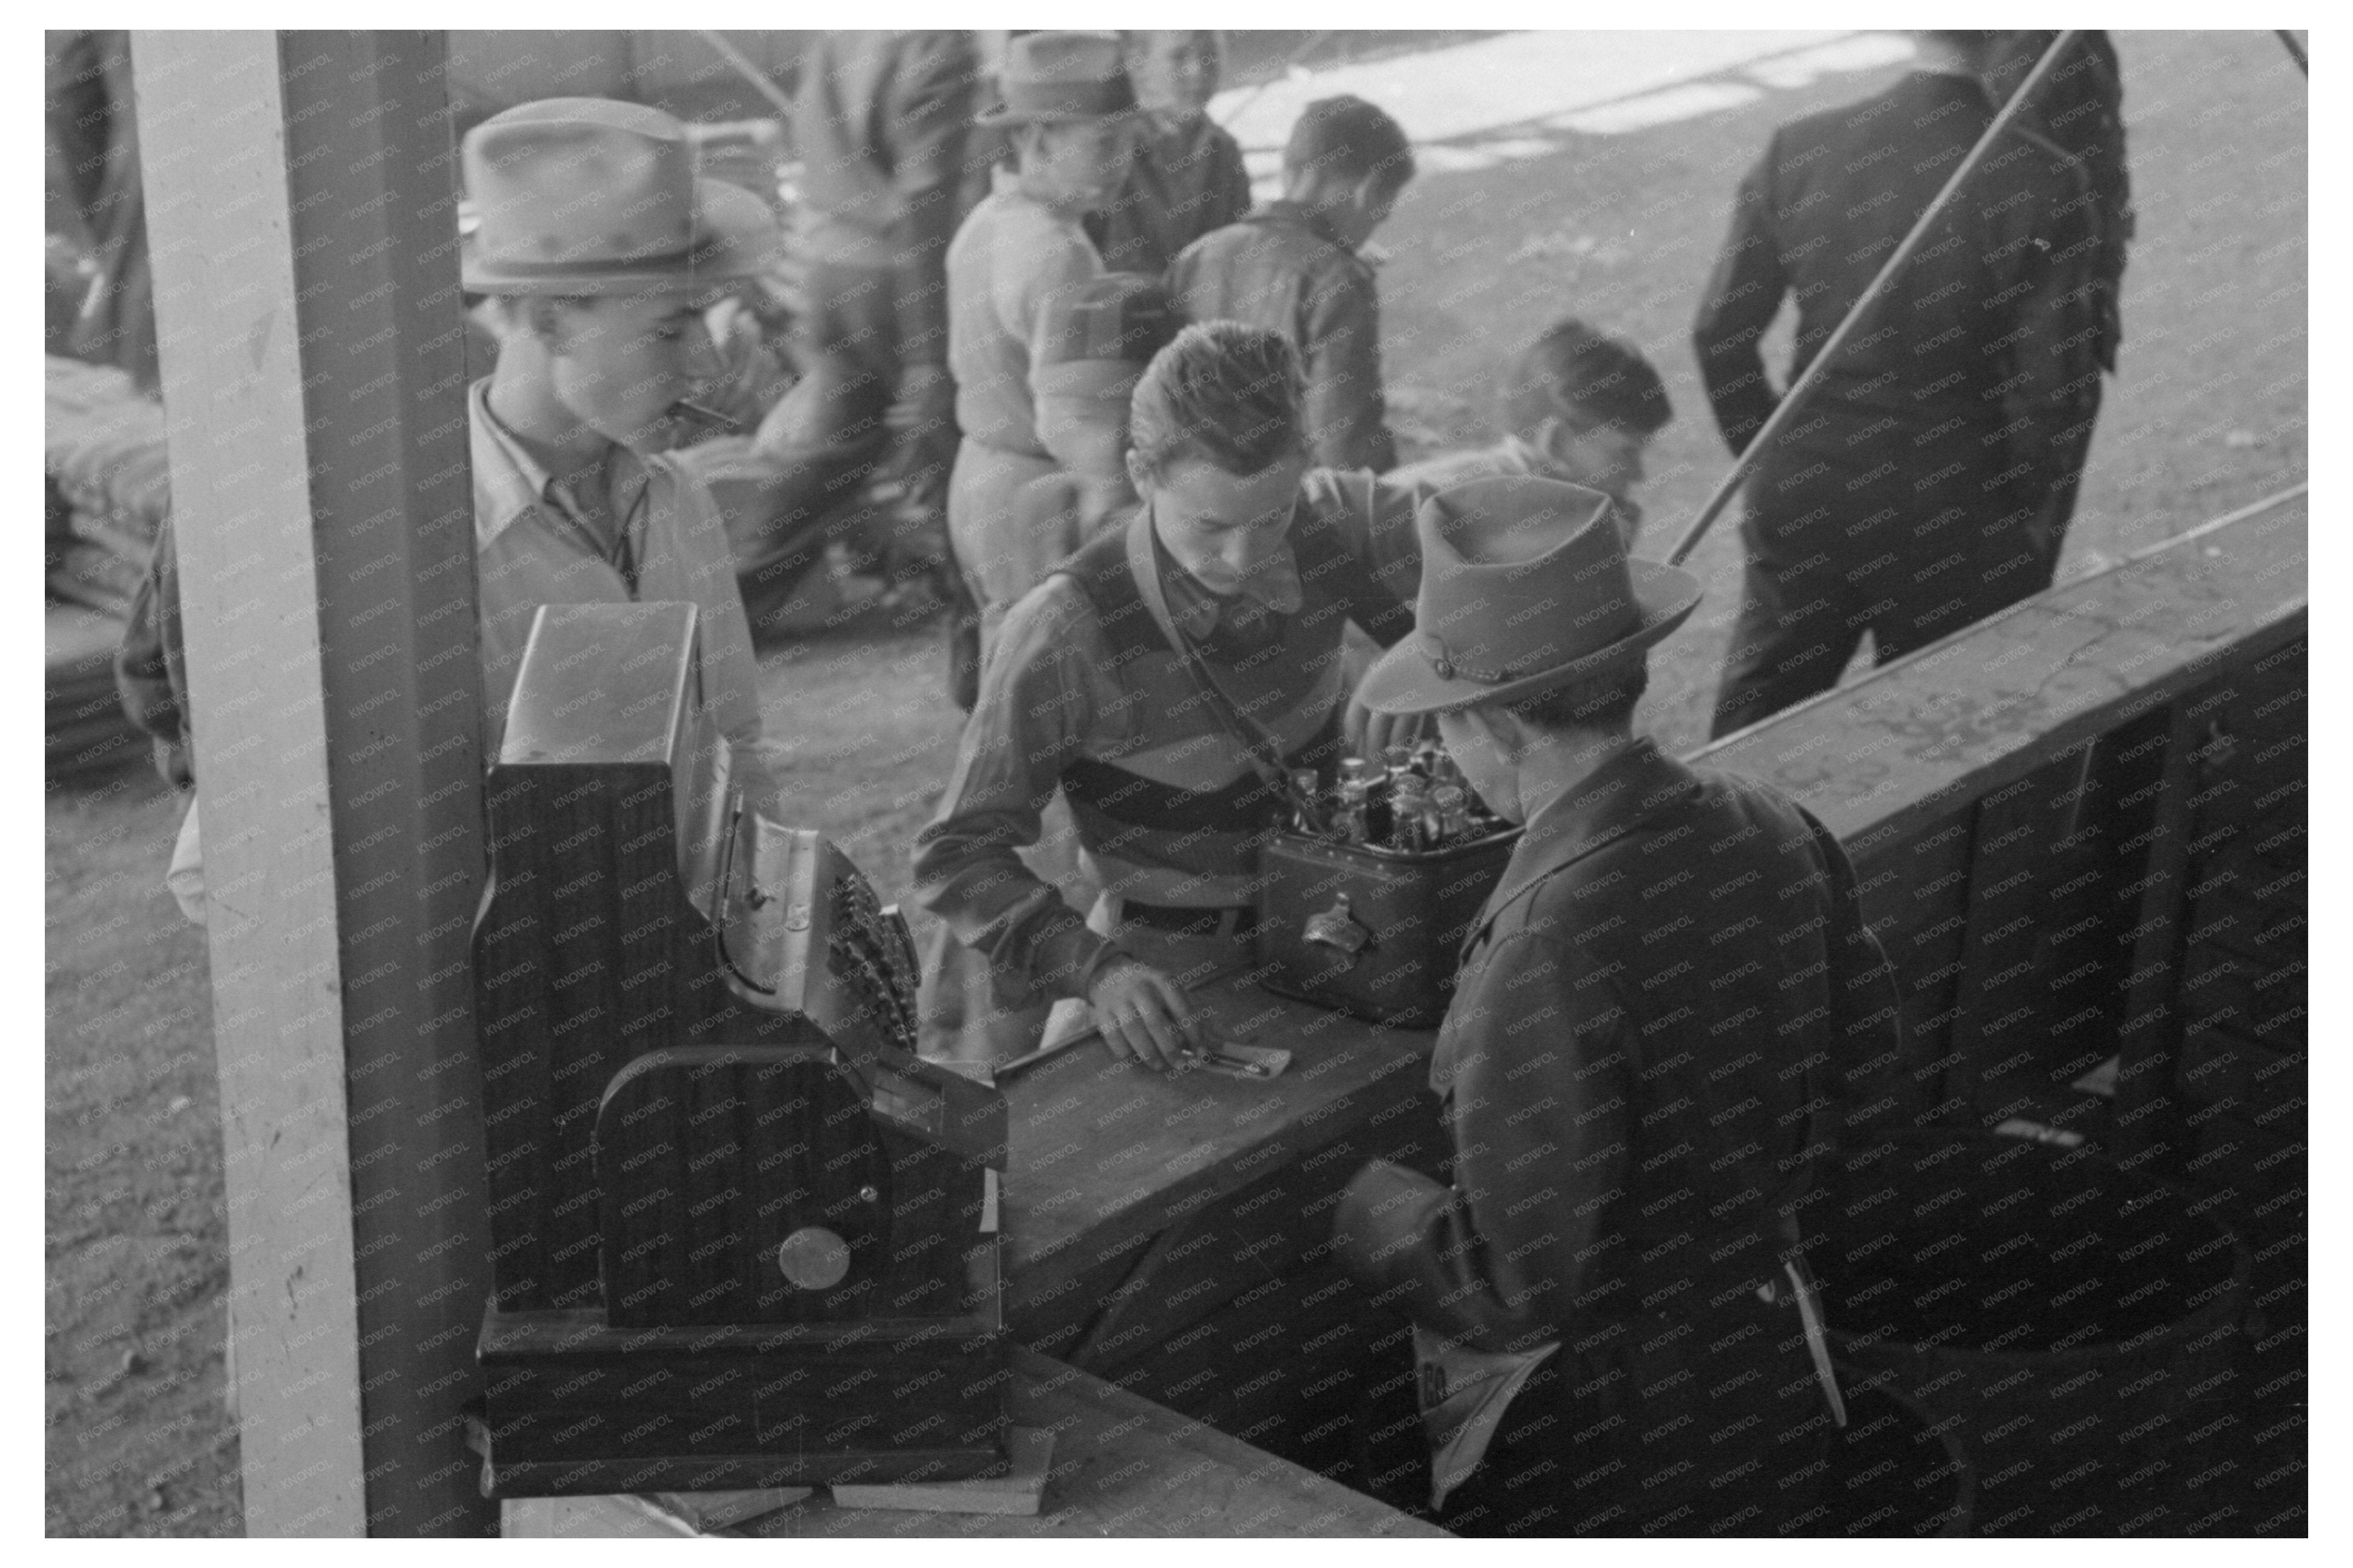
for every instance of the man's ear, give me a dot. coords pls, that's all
(544, 318)
(1496, 727)
(1546, 437)
(1138, 474)
(1380, 186)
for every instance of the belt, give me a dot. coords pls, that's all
(1221, 920)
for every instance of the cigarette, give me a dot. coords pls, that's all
(711, 416)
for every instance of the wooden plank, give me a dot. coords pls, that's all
(298, 197)
(1885, 759)
(1105, 1155)
(1121, 1467)
(1998, 1041)
(1894, 762)
(2148, 1129)
(1914, 895)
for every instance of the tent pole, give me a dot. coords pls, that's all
(1792, 400)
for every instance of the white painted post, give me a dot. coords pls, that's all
(302, 220)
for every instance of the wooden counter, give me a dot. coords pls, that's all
(1169, 1233)
(2050, 813)
(1121, 1467)
(2049, 810)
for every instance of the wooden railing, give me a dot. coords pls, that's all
(2080, 829)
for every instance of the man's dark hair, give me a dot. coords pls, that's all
(1222, 392)
(1348, 139)
(1605, 702)
(1574, 367)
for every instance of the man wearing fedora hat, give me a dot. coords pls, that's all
(1641, 1062)
(1066, 105)
(598, 248)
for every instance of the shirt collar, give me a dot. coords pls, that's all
(1311, 220)
(1274, 587)
(1522, 458)
(1636, 783)
(508, 480)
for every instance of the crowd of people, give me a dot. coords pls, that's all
(1194, 569)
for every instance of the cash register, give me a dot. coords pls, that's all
(742, 1236)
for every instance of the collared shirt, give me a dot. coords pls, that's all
(1012, 257)
(1186, 180)
(1053, 693)
(533, 546)
(1282, 267)
(1270, 592)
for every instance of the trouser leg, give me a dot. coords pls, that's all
(2070, 448)
(1976, 555)
(964, 638)
(781, 524)
(1792, 637)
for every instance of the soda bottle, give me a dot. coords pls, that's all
(1380, 805)
(1409, 805)
(1453, 805)
(1349, 822)
(1307, 804)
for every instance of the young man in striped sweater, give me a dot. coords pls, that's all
(1250, 558)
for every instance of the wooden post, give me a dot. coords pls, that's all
(299, 199)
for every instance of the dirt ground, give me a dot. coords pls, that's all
(2207, 414)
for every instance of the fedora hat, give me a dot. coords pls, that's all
(590, 196)
(1525, 585)
(1054, 76)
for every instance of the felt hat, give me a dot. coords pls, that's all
(1051, 77)
(593, 197)
(1525, 585)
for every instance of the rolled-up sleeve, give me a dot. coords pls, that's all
(1031, 721)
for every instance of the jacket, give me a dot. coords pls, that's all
(1644, 1055)
(1964, 342)
(1281, 268)
(1186, 180)
(1012, 261)
(880, 124)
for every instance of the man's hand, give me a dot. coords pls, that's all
(1145, 1015)
(1369, 734)
(743, 376)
